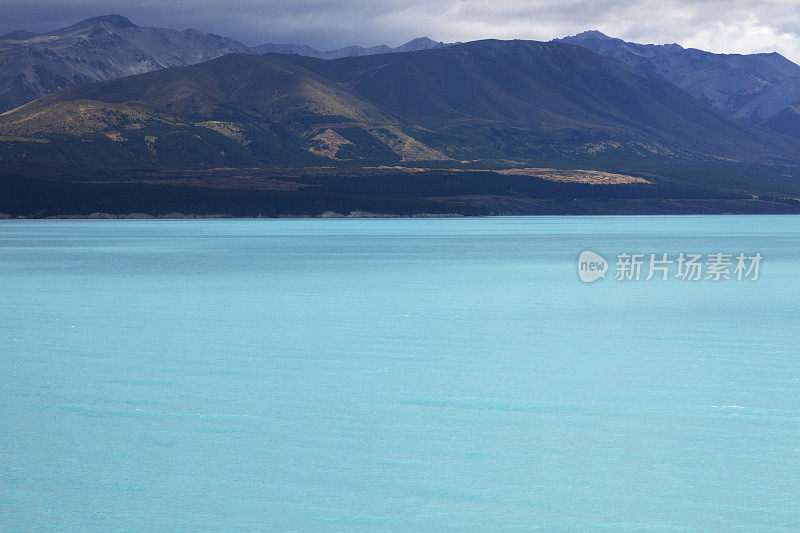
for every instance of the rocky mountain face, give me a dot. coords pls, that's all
(99, 48)
(753, 88)
(111, 46)
(422, 43)
(761, 89)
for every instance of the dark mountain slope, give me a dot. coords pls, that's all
(236, 86)
(541, 93)
(236, 110)
(786, 121)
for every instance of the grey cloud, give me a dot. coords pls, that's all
(717, 25)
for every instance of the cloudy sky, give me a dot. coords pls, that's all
(717, 25)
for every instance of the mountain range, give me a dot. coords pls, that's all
(758, 88)
(523, 100)
(99, 48)
(421, 43)
(111, 46)
(761, 89)
(130, 103)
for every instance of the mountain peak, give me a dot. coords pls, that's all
(420, 43)
(593, 34)
(115, 20)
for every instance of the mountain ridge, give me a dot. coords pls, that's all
(749, 87)
(99, 48)
(754, 88)
(484, 100)
(112, 46)
(556, 89)
(420, 43)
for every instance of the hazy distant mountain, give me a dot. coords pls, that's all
(111, 46)
(18, 35)
(630, 53)
(525, 100)
(422, 43)
(98, 48)
(753, 87)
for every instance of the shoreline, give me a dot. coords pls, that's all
(137, 216)
(182, 216)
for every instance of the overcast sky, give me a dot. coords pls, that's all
(717, 25)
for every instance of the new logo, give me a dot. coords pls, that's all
(591, 266)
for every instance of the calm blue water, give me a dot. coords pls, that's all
(395, 375)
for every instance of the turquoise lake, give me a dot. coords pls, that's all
(395, 375)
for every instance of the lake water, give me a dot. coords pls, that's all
(409, 374)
